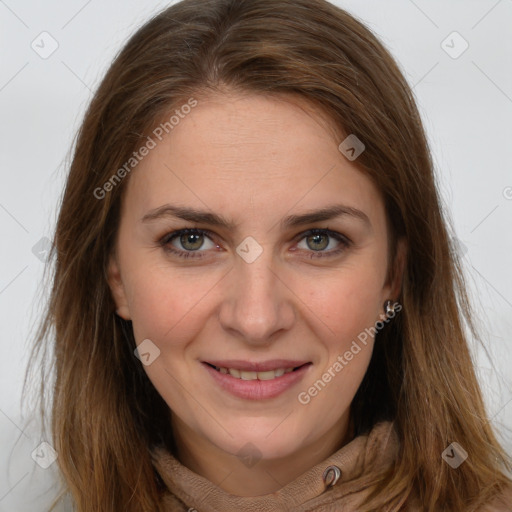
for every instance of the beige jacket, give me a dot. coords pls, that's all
(347, 472)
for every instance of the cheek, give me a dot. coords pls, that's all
(347, 302)
(166, 303)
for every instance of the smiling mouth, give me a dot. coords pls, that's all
(256, 375)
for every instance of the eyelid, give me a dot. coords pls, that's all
(178, 232)
(323, 231)
(168, 237)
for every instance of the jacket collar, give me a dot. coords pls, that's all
(364, 453)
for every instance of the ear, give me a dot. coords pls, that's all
(394, 287)
(117, 288)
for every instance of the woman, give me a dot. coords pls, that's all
(255, 304)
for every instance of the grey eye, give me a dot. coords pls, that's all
(317, 242)
(190, 242)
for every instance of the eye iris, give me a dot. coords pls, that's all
(319, 241)
(191, 241)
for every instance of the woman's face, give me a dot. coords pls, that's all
(284, 267)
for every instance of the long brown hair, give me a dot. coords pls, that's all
(105, 414)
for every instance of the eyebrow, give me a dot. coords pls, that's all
(213, 219)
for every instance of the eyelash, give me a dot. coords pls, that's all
(164, 242)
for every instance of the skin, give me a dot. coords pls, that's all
(254, 160)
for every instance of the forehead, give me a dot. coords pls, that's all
(261, 153)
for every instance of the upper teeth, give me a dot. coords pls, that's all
(268, 375)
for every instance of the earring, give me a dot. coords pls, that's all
(389, 308)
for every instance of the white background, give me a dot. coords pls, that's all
(466, 104)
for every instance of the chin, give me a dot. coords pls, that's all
(262, 442)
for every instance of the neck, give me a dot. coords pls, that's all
(267, 475)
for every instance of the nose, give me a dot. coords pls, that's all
(257, 303)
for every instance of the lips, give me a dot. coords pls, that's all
(256, 380)
(248, 375)
(262, 366)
